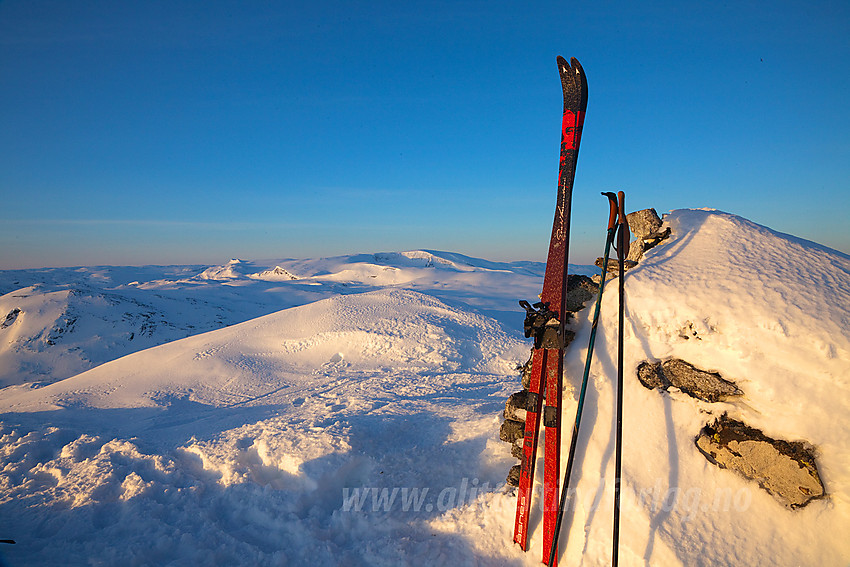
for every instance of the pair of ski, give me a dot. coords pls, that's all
(545, 322)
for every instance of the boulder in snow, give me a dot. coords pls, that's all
(647, 228)
(580, 289)
(513, 475)
(613, 268)
(516, 448)
(785, 469)
(515, 406)
(643, 223)
(511, 430)
(700, 384)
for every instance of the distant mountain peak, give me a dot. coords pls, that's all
(233, 269)
(276, 273)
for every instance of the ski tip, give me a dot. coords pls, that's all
(572, 77)
(568, 77)
(564, 68)
(581, 82)
(576, 66)
(572, 68)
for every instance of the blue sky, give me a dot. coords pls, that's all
(192, 132)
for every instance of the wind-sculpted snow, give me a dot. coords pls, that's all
(350, 416)
(233, 446)
(265, 359)
(59, 322)
(765, 310)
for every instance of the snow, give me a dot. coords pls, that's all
(235, 415)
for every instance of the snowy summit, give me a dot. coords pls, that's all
(347, 410)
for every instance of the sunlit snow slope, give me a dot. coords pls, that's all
(55, 323)
(350, 415)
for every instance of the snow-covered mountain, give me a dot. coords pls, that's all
(55, 323)
(346, 410)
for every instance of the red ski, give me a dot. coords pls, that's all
(545, 322)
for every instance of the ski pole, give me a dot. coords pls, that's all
(622, 252)
(609, 240)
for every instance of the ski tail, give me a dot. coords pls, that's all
(534, 404)
(552, 459)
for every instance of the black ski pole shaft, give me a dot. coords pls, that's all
(622, 252)
(609, 240)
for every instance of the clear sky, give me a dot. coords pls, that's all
(136, 132)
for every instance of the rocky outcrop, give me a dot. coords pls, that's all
(648, 231)
(511, 430)
(785, 469)
(647, 228)
(10, 318)
(515, 406)
(613, 269)
(676, 373)
(580, 290)
(513, 475)
(277, 273)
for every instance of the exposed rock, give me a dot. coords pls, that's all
(636, 250)
(580, 289)
(651, 376)
(513, 475)
(515, 406)
(785, 469)
(647, 228)
(511, 430)
(614, 266)
(700, 384)
(516, 448)
(10, 318)
(277, 273)
(644, 223)
(569, 336)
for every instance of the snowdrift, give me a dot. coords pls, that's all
(351, 415)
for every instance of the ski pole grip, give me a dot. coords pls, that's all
(612, 215)
(624, 224)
